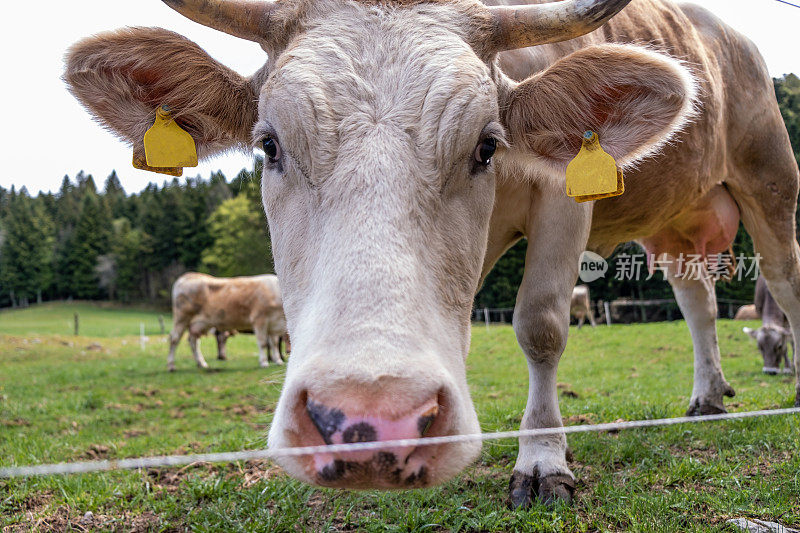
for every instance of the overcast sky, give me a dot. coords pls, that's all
(46, 134)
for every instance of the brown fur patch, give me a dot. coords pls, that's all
(631, 97)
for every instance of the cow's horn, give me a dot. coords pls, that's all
(247, 19)
(528, 25)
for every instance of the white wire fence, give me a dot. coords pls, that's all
(248, 455)
(622, 310)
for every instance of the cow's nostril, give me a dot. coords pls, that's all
(328, 421)
(426, 420)
(360, 432)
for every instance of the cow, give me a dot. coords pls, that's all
(773, 337)
(581, 306)
(201, 303)
(747, 312)
(409, 143)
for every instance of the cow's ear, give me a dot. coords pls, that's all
(635, 99)
(750, 331)
(123, 76)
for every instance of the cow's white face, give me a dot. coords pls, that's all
(380, 119)
(378, 208)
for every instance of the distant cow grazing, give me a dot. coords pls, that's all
(774, 336)
(747, 312)
(581, 305)
(409, 143)
(201, 302)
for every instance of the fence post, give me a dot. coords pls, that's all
(486, 317)
(77, 323)
(161, 323)
(608, 313)
(142, 338)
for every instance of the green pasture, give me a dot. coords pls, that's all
(101, 395)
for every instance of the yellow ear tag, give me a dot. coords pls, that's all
(168, 145)
(593, 174)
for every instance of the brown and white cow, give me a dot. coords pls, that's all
(773, 337)
(250, 303)
(410, 143)
(580, 305)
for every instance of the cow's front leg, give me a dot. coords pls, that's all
(194, 335)
(222, 338)
(262, 337)
(698, 303)
(275, 350)
(174, 338)
(557, 235)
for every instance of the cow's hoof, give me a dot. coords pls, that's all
(263, 365)
(222, 357)
(700, 409)
(711, 404)
(171, 368)
(549, 490)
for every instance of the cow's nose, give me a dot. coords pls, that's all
(391, 466)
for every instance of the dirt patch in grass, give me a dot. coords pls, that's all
(166, 480)
(245, 410)
(17, 422)
(190, 447)
(147, 393)
(137, 408)
(254, 471)
(96, 452)
(577, 420)
(250, 473)
(33, 504)
(67, 519)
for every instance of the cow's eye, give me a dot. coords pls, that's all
(485, 150)
(272, 149)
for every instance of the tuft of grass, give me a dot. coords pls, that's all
(66, 398)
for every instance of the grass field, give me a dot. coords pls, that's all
(101, 395)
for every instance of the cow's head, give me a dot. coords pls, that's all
(773, 343)
(384, 124)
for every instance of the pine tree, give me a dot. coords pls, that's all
(114, 195)
(88, 242)
(27, 248)
(129, 250)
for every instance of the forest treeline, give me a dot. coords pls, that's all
(90, 242)
(94, 241)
